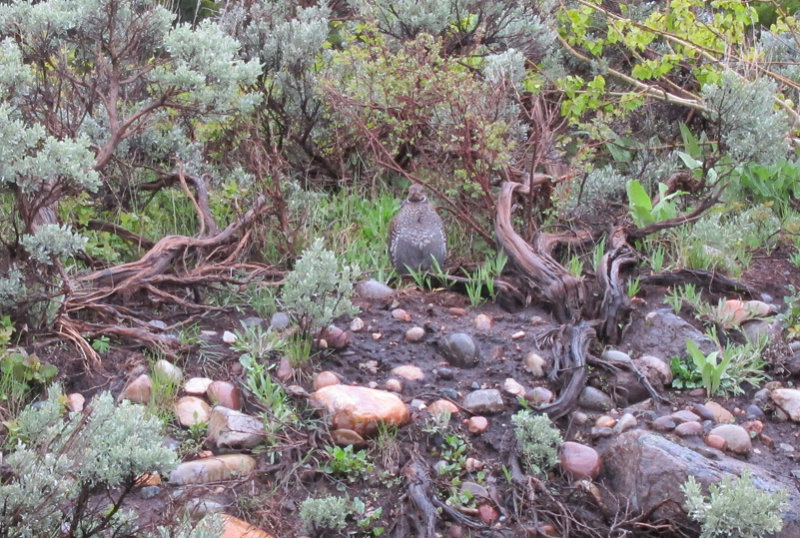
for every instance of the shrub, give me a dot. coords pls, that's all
(325, 513)
(537, 440)
(57, 465)
(318, 289)
(735, 507)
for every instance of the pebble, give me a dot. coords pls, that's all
(357, 325)
(394, 385)
(192, 410)
(595, 399)
(663, 424)
(477, 424)
(459, 349)
(605, 421)
(140, 390)
(344, 437)
(148, 492)
(401, 315)
(415, 334)
(786, 447)
(579, 461)
(440, 407)
(615, 355)
(602, 432)
(198, 508)
(512, 387)
(197, 386)
(753, 427)
(334, 337)
(655, 369)
(580, 418)
(75, 402)
(372, 289)
(444, 373)
(684, 416)
(483, 322)
(703, 412)
(157, 324)
(167, 370)
(688, 429)
(448, 392)
(228, 337)
(484, 401)
(279, 321)
(488, 513)
(737, 440)
(409, 372)
(473, 465)
(325, 378)
(359, 408)
(539, 395)
(535, 364)
(721, 415)
(228, 428)
(457, 311)
(474, 488)
(754, 412)
(225, 394)
(285, 370)
(213, 469)
(625, 423)
(789, 402)
(518, 335)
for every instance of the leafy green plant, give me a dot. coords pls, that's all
(538, 441)
(101, 344)
(641, 205)
(483, 278)
(298, 351)
(256, 342)
(735, 507)
(657, 259)
(710, 370)
(685, 375)
(325, 513)
(347, 462)
(269, 393)
(790, 317)
(21, 374)
(634, 287)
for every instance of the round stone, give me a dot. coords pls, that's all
(372, 289)
(477, 424)
(715, 441)
(605, 421)
(401, 315)
(409, 372)
(539, 395)
(579, 461)
(197, 386)
(394, 385)
(459, 349)
(324, 379)
(483, 322)
(512, 387)
(737, 440)
(535, 364)
(192, 410)
(484, 401)
(689, 429)
(440, 407)
(415, 334)
(225, 394)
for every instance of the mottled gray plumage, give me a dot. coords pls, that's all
(416, 234)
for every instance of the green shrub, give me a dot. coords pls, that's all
(538, 441)
(57, 464)
(735, 507)
(325, 513)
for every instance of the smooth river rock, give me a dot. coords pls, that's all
(360, 409)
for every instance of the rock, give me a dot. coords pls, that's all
(326, 378)
(457, 311)
(157, 324)
(663, 334)
(484, 401)
(225, 394)
(628, 388)
(192, 410)
(789, 401)
(334, 337)
(459, 349)
(684, 416)
(344, 437)
(539, 395)
(719, 413)
(737, 440)
(279, 321)
(626, 422)
(477, 424)
(168, 371)
(605, 421)
(394, 385)
(197, 386)
(703, 411)
(657, 371)
(401, 315)
(488, 513)
(75, 402)
(595, 399)
(440, 407)
(736, 311)
(228, 337)
(615, 355)
(757, 329)
(644, 470)
(663, 424)
(149, 492)
(715, 441)
(236, 528)
(285, 370)
(415, 334)
(535, 364)
(483, 322)
(512, 387)
(688, 429)
(228, 428)
(357, 325)
(472, 465)
(360, 409)
(197, 508)
(409, 372)
(474, 488)
(140, 390)
(372, 289)
(579, 461)
(214, 469)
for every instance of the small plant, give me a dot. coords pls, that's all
(598, 253)
(280, 411)
(688, 294)
(641, 205)
(634, 287)
(421, 277)
(710, 370)
(794, 257)
(367, 517)
(538, 441)
(575, 266)
(256, 342)
(454, 452)
(657, 259)
(325, 513)
(318, 290)
(101, 344)
(298, 351)
(790, 318)
(484, 279)
(21, 374)
(347, 462)
(735, 507)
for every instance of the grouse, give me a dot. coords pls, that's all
(416, 234)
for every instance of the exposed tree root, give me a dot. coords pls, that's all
(711, 280)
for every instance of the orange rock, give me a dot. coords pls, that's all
(325, 379)
(359, 408)
(225, 394)
(442, 406)
(236, 528)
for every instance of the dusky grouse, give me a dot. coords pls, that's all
(416, 234)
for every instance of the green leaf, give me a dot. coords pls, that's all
(641, 206)
(690, 142)
(690, 162)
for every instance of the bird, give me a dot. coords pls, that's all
(416, 234)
